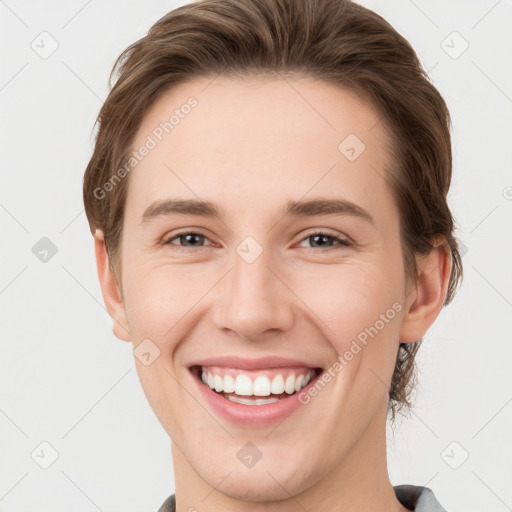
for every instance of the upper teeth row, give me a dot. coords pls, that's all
(261, 386)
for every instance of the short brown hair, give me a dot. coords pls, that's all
(333, 40)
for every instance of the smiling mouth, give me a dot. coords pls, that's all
(255, 387)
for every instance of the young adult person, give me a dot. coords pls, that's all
(268, 198)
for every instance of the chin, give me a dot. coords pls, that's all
(272, 478)
(259, 486)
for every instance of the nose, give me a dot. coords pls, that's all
(254, 299)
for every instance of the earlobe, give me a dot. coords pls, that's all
(425, 301)
(110, 289)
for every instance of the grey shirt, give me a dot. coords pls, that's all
(413, 497)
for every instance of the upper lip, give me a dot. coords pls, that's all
(262, 363)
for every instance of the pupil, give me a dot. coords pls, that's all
(316, 237)
(191, 236)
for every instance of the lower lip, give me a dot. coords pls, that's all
(251, 415)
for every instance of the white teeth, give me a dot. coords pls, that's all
(242, 385)
(277, 386)
(229, 384)
(289, 385)
(261, 386)
(252, 401)
(219, 382)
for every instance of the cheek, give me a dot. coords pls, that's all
(347, 299)
(159, 297)
(359, 307)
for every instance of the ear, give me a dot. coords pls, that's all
(110, 289)
(426, 296)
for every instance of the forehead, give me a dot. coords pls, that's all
(260, 141)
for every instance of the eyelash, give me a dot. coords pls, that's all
(341, 241)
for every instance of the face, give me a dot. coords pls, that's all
(293, 268)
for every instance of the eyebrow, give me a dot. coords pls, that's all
(180, 206)
(302, 208)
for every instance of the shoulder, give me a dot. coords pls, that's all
(417, 498)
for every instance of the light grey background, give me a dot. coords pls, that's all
(67, 381)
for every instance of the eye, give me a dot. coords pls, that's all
(322, 239)
(193, 239)
(188, 238)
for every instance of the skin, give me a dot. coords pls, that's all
(250, 146)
